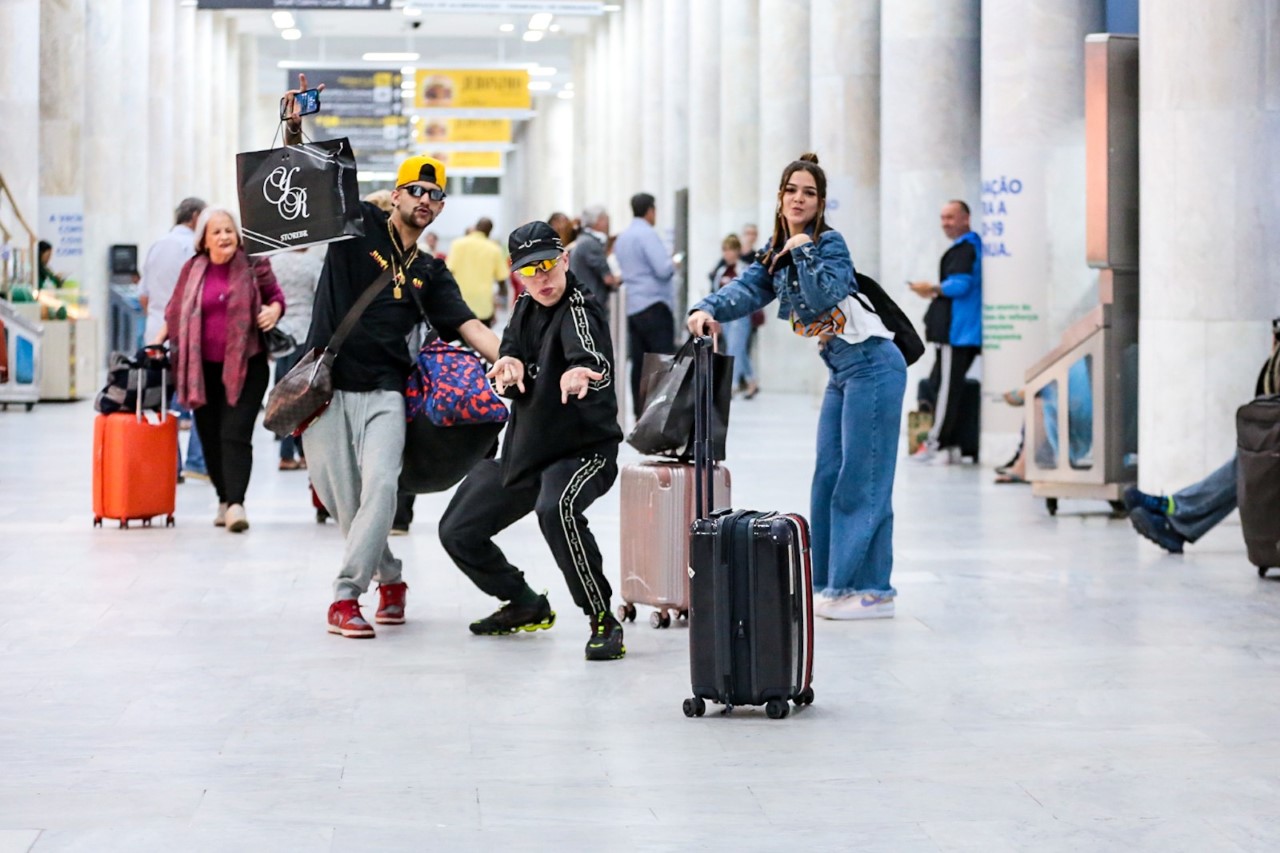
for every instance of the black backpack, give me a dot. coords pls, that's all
(904, 331)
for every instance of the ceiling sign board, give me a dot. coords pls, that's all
(512, 7)
(363, 105)
(480, 88)
(337, 5)
(431, 130)
(489, 161)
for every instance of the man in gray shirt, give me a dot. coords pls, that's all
(647, 271)
(587, 259)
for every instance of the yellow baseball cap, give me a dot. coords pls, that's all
(421, 168)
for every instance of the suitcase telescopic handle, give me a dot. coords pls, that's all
(142, 392)
(703, 395)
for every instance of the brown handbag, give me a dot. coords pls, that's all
(306, 390)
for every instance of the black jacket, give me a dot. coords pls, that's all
(571, 333)
(937, 319)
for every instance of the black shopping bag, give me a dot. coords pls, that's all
(665, 425)
(298, 195)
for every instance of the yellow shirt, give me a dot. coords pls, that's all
(477, 263)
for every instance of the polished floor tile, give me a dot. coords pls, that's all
(1049, 684)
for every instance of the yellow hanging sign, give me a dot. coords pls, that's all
(431, 130)
(488, 160)
(476, 89)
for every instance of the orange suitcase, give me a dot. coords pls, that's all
(657, 513)
(135, 464)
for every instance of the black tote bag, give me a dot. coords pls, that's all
(665, 425)
(298, 195)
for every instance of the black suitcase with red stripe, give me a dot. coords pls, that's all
(751, 593)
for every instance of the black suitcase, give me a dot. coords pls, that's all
(751, 594)
(1258, 480)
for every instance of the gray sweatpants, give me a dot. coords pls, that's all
(353, 455)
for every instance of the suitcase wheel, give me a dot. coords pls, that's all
(1262, 570)
(168, 521)
(804, 698)
(695, 707)
(97, 521)
(124, 524)
(660, 619)
(1051, 504)
(322, 515)
(626, 612)
(146, 522)
(777, 709)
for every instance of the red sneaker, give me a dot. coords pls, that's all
(345, 619)
(390, 604)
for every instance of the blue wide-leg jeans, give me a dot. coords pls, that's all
(851, 503)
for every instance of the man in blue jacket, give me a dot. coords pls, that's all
(954, 322)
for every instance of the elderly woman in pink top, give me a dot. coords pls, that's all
(223, 303)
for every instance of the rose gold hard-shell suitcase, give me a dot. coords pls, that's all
(657, 512)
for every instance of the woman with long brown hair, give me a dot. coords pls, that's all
(223, 303)
(807, 268)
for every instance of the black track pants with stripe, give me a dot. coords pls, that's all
(482, 507)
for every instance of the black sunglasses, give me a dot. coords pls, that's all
(418, 191)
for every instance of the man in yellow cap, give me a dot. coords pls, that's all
(354, 449)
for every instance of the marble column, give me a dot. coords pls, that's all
(630, 115)
(1210, 226)
(161, 200)
(653, 112)
(739, 116)
(62, 93)
(844, 119)
(619, 130)
(1035, 277)
(783, 362)
(202, 148)
(186, 181)
(676, 64)
(783, 103)
(20, 112)
(705, 231)
(132, 159)
(106, 132)
(929, 140)
(582, 62)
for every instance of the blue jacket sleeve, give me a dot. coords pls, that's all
(824, 276)
(957, 284)
(751, 290)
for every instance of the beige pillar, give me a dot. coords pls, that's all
(62, 95)
(1035, 276)
(739, 117)
(1210, 226)
(705, 227)
(844, 119)
(161, 198)
(653, 111)
(20, 111)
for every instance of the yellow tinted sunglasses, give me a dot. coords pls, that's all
(532, 269)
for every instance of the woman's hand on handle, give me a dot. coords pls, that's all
(702, 323)
(269, 316)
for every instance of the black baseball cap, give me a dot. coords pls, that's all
(532, 242)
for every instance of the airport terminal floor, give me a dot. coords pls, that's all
(1047, 684)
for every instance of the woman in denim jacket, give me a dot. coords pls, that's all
(807, 268)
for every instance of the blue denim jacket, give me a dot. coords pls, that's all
(819, 278)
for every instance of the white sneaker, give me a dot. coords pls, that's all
(220, 520)
(950, 456)
(237, 520)
(924, 454)
(857, 606)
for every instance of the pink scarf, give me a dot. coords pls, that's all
(243, 338)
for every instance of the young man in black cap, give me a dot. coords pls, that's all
(560, 452)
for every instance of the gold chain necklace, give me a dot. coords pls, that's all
(398, 265)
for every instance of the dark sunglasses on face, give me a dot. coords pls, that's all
(418, 191)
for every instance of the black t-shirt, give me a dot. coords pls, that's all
(375, 356)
